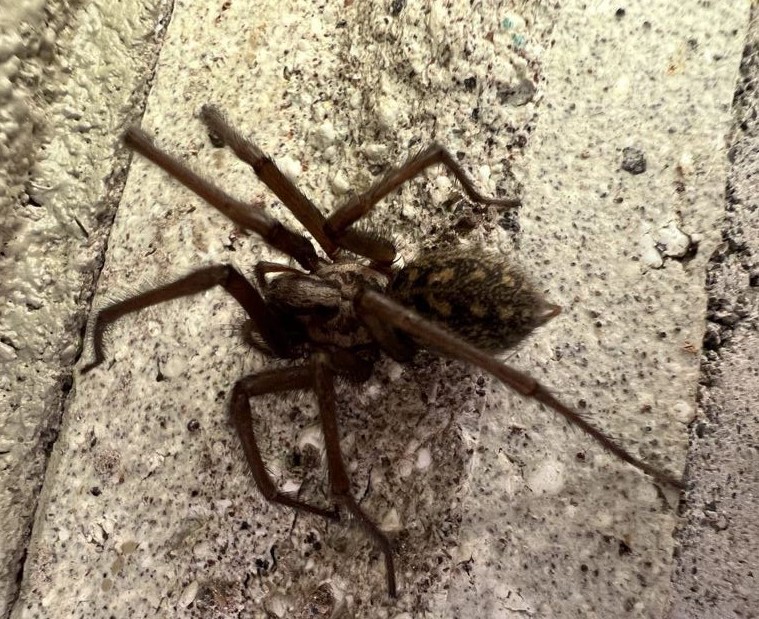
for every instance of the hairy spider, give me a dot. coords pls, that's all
(337, 314)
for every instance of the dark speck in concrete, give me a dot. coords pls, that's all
(517, 96)
(396, 7)
(633, 160)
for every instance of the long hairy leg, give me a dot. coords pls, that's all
(379, 307)
(266, 323)
(319, 377)
(267, 171)
(324, 386)
(270, 381)
(339, 222)
(291, 196)
(244, 215)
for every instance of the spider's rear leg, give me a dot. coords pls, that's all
(373, 305)
(324, 385)
(339, 222)
(266, 323)
(271, 381)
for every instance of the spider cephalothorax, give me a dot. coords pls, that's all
(340, 313)
(322, 302)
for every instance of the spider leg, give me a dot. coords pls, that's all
(318, 376)
(293, 198)
(390, 340)
(271, 381)
(341, 219)
(323, 381)
(378, 307)
(244, 215)
(265, 321)
(267, 171)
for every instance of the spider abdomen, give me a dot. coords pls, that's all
(483, 297)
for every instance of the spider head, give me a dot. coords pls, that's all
(482, 297)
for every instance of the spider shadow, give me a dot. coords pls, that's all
(407, 438)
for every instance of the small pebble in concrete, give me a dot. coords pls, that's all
(423, 459)
(633, 160)
(673, 242)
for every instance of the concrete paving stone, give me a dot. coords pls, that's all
(608, 119)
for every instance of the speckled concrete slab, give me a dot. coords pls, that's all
(498, 508)
(70, 73)
(627, 168)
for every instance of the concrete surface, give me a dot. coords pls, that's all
(606, 241)
(71, 74)
(500, 509)
(718, 560)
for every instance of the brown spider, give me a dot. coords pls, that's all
(339, 313)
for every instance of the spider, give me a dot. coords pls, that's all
(337, 314)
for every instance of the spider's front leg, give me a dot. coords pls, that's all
(339, 222)
(292, 197)
(244, 215)
(266, 323)
(319, 376)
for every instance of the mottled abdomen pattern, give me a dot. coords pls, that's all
(483, 297)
